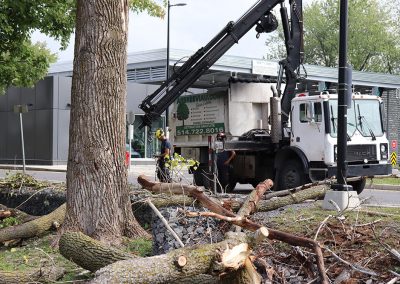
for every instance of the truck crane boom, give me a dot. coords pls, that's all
(260, 16)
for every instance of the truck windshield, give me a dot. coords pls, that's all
(368, 118)
(364, 115)
(351, 119)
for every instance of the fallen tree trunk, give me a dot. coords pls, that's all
(273, 235)
(196, 194)
(167, 268)
(89, 253)
(41, 275)
(177, 188)
(315, 192)
(184, 263)
(35, 227)
(161, 268)
(20, 215)
(248, 274)
(220, 212)
(249, 205)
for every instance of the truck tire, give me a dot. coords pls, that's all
(358, 185)
(290, 175)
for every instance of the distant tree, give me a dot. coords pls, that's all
(23, 63)
(182, 112)
(373, 41)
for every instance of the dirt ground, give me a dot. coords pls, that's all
(360, 239)
(359, 246)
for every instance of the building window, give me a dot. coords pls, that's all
(144, 144)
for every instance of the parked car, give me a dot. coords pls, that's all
(134, 154)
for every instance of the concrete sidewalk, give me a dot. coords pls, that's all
(136, 165)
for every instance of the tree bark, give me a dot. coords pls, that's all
(273, 235)
(190, 190)
(35, 227)
(159, 269)
(89, 253)
(20, 215)
(164, 268)
(221, 213)
(97, 191)
(249, 205)
(314, 192)
(41, 275)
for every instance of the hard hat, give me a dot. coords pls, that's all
(221, 136)
(159, 133)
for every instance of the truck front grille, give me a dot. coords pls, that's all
(361, 152)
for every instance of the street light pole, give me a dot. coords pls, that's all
(20, 109)
(167, 70)
(344, 100)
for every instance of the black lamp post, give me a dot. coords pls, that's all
(344, 100)
(167, 71)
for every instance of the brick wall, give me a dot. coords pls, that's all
(391, 100)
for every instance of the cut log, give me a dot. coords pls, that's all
(247, 275)
(181, 261)
(35, 227)
(234, 258)
(5, 214)
(89, 253)
(249, 205)
(190, 190)
(20, 215)
(195, 193)
(274, 235)
(163, 268)
(42, 275)
(199, 279)
(315, 192)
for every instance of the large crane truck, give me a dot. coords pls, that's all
(299, 142)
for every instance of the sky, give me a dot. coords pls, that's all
(191, 27)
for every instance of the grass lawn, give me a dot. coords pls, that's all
(388, 180)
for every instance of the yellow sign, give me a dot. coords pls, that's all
(393, 158)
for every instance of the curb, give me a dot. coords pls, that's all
(383, 187)
(28, 168)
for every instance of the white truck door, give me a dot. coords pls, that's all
(308, 132)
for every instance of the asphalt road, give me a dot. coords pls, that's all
(376, 197)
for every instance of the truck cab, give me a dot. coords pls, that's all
(310, 152)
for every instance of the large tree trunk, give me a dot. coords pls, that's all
(97, 192)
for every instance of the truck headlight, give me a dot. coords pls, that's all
(384, 151)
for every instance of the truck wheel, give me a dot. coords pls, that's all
(291, 175)
(358, 185)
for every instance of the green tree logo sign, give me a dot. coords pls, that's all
(182, 112)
